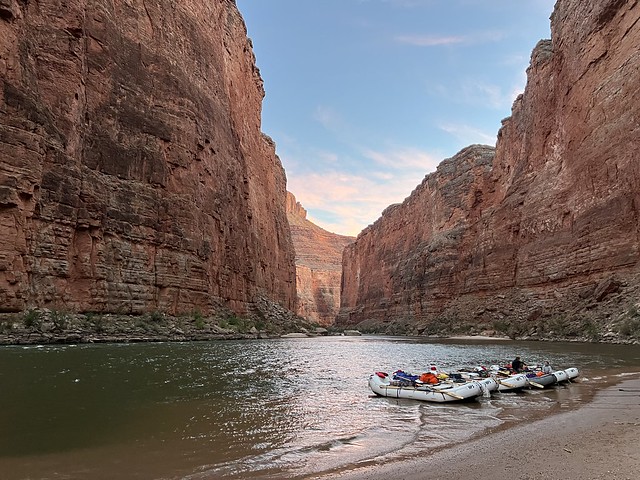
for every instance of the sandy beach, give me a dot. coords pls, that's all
(600, 440)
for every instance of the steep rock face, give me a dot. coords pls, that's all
(536, 232)
(133, 173)
(406, 265)
(318, 265)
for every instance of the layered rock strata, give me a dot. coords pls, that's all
(318, 265)
(545, 229)
(133, 173)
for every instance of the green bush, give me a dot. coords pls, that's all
(501, 326)
(558, 325)
(629, 327)
(94, 322)
(32, 319)
(514, 331)
(233, 322)
(97, 322)
(60, 320)
(590, 329)
(142, 324)
(436, 326)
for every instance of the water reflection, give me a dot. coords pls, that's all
(281, 408)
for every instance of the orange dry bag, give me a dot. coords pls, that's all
(429, 378)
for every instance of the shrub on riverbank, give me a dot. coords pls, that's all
(35, 326)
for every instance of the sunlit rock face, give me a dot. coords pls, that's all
(133, 172)
(318, 265)
(535, 231)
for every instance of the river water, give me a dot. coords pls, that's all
(279, 408)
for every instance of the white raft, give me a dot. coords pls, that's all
(512, 383)
(489, 384)
(565, 375)
(554, 378)
(380, 384)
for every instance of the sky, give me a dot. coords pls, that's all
(366, 97)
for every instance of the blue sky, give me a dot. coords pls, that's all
(365, 97)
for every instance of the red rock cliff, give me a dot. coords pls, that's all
(133, 173)
(543, 231)
(318, 265)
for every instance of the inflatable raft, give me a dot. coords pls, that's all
(553, 378)
(383, 385)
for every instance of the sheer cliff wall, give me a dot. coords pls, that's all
(133, 173)
(318, 265)
(544, 229)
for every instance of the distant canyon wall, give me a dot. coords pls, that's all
(318, 265)
(133, 172)
(544, 228)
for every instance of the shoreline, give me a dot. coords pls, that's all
(479, 337)
(58, 327)
(146, 332)
(599, 440)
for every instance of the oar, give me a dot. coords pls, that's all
(431, 389)
(437, 390)
(505, 383)
(535, 384)
(451, 394)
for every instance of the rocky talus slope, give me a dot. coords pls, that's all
(133, 173)
(318, 266)
(541, 237)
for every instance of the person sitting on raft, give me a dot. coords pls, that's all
(517, 365)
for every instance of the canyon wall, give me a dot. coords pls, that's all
(543, 230)
(133, 173)
(318, 266)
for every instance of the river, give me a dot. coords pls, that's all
(278, 408)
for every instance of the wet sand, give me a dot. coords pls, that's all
(600, 440)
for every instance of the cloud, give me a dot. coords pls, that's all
(480, 93)
(516, 59)
(404, 159)
(469, 135)
(328, 157)
(491, 95)
(345, 203)
(327, 117)
(477, 92)
(428, 40)
(332, 121)
(403, 3)
(410, 3)
(345, 192)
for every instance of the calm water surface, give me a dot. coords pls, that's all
(282, 408)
